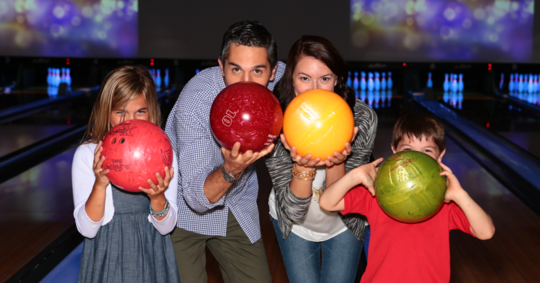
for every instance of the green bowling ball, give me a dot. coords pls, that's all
(409, 188)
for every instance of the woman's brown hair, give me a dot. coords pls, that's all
(321, 49)
(119, 87)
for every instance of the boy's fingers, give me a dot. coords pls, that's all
(377, 161)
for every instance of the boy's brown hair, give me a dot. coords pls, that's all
(119, 87)
(419, 125)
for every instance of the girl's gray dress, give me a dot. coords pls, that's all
(129, 248)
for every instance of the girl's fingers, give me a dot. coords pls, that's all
(159, 179)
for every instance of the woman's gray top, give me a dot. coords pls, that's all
(291, 208)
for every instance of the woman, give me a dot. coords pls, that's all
(314, 63)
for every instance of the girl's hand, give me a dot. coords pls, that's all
(101, 175)
(159, 189)
(340, 157)
(305, 161)
(453, 186)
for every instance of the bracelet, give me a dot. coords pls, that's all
(306, 175)
(164, 212)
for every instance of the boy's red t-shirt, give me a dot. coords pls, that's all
(401, 252)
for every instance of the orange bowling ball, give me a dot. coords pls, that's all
(318, 122)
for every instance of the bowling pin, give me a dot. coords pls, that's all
(363, 83)
(377, 82)
(511, 84)
(501, 82)
(49, 76)
(445, 97)
(454, 85)
(349, 84)
(446, 84)
(158, 78)
(166, 79)
(68, 77)
(530, 84)
(429, 81)
(376, 99)
(383, 81)
(370, 84)
(363, 95)
(520, 83)
(460, 100)
(460, 83)
(355, 82)
(390, 82)
(370, 97)
(389, 97)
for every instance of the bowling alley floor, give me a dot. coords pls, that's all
(33, 201)
(513, 254)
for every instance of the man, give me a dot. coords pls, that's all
(218, 187)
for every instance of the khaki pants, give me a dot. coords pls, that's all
(239, 259)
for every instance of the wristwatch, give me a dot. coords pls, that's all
(228, 176)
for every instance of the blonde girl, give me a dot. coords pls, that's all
(126, 234)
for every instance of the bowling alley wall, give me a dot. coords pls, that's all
(363, 30)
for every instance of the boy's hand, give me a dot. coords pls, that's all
(452, 183)
(366, 173)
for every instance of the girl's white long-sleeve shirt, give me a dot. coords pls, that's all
(83, 179)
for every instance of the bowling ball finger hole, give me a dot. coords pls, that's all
(122, 140)
(114, 141)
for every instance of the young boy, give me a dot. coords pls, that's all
(401, 252)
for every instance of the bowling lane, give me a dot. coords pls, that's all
(513, 254)
(36, 207)
(24, 131)
(511, 120)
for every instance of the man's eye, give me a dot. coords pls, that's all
(236, 70)
(258, 72)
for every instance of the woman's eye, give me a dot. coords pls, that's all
(304, 79)
(325, 79)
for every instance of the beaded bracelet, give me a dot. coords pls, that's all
(164, 212)
(306, 175)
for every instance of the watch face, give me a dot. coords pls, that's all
(228, 177)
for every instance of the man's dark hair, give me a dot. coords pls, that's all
(249, 33)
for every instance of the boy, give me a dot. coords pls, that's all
(401, 252)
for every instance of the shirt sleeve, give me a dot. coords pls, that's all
(358, 200)
(279, 167)
(457, 219)
(166, 225)
(365, 119)
(193, 143)
(83, 179)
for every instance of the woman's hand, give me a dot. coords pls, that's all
(340, 157)
(305, 161)
(101, 175)
(158, 190)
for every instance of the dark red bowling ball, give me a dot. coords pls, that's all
(248, 113)
(135, 151)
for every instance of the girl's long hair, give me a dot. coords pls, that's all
(119, 87)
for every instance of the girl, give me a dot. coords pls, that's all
(303, 229)
(126, 233)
